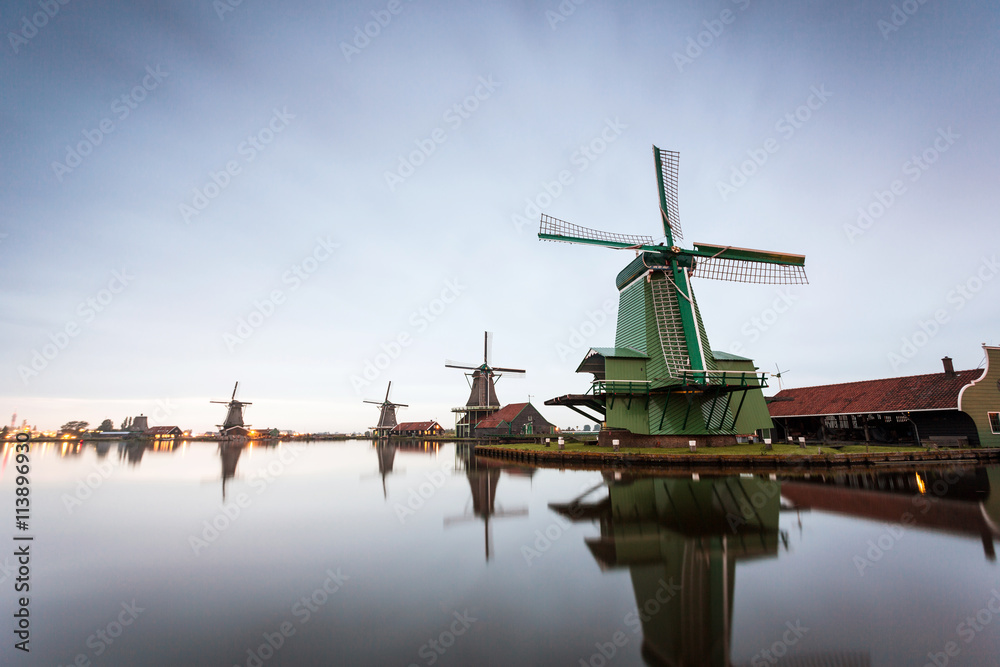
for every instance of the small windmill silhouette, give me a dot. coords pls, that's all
(387, 414)
(233, 425)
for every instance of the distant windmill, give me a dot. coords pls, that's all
(233, 426)
(387, 414)
(778, 376)
(483, 398)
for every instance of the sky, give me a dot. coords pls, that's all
(315, 199)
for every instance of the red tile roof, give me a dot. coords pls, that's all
(415, 426)
(506, 413)
(934, 391)
(161, 430)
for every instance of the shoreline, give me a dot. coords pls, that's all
(700, 462)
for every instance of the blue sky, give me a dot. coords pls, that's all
(171, 172)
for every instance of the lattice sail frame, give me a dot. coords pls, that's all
(550, 225)
(749, 271)
(669, 162)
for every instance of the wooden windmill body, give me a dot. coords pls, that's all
(386, 415)
(233, 427)
(661, 383)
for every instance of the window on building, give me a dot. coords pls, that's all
(994, 422)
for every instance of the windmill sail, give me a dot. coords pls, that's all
(554, 229)
(744, 265)
(667, 168)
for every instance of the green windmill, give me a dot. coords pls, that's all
(662, 379)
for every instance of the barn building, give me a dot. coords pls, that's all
(950, 408)
(415, 429)
(511, 420)
(163, 432)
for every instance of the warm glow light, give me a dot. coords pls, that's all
(920, 484)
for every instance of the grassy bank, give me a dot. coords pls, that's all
(734, 450)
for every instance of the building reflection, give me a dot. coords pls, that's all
(229, 454)
(681, 539)
(132, 450)
(230, 451)
(103, 447)
(386, 449)
(952, 500)
(483, 475)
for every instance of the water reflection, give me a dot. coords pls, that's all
(229, 453)
(386, 449)
(133, 450)
(686, 571)
(681, 539)
(483, 476)
(951, 500)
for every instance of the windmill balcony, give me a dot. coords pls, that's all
(620, 387)
(734, 378)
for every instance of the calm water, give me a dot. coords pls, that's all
(345, 554)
